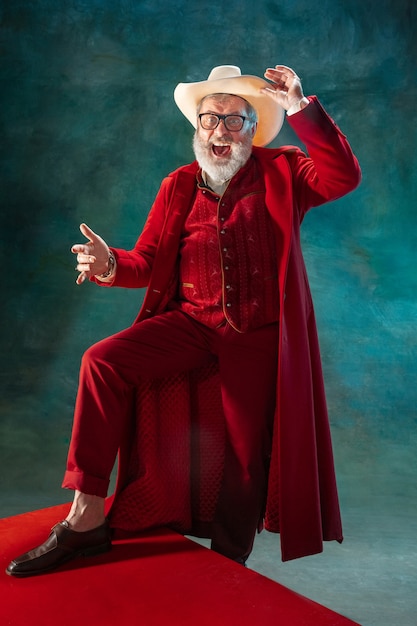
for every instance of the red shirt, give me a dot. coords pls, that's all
(228, 267)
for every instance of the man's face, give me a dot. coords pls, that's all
(222, 152)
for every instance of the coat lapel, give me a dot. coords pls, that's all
(163, 271)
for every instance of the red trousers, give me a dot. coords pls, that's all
(163, 346)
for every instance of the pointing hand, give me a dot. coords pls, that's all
(92, 257)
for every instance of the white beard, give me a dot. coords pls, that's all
(221, 172)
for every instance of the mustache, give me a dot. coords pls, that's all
(223, 139)
(238, 156)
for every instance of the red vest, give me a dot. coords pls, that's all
(228, 267)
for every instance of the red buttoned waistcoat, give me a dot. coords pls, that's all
(170, 465)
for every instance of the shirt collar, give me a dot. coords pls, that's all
(218, 188)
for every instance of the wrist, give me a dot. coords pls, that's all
(110, 267)
(296, 106)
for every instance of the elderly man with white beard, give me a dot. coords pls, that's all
(221, 259)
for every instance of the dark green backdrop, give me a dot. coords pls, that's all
(88, 129)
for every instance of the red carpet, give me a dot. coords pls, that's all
(156, 579)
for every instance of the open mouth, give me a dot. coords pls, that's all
(221, 149)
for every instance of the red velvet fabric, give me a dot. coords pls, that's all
(174, 459)
(302, 503)
(228, 266)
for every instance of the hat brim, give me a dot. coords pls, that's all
(270, 114)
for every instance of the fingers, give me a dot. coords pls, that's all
(282, 72)
(283, 77)
(81, 278)
(84, 266)
(91, 236)
(85, 248)
(284, 87)
(88, 233)
(92, 256)
(85, 259)
(84, 262)
(82, 248)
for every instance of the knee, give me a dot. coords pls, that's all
(96, 353)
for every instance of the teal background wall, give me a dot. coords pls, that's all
(88, 129)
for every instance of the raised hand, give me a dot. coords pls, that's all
(285, 87)
(92, 257)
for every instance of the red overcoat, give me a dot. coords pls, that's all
(170, 465)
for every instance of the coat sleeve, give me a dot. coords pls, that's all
(330, 170)
(134, 266)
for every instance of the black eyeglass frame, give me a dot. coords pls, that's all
(224, 119)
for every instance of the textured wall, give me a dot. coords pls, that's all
(88, 128)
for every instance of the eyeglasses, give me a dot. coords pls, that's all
(210, 121)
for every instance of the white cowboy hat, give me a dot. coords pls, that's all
(229, 79)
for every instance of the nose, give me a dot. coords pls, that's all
(221, 121)
(220, 128)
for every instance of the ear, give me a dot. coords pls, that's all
(254, 129)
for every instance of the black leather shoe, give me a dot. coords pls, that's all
(62, 545)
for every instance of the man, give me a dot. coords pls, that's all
(221, 259)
